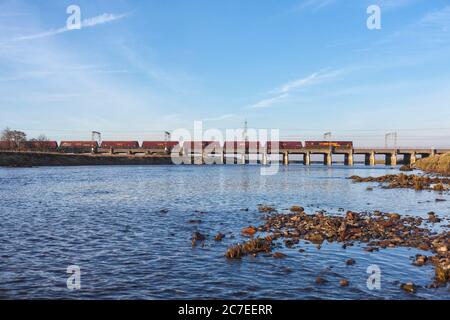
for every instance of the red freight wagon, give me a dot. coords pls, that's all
(329, 144)
(234, 146)
(120, 144)
(238, 146)
(191, 145)
(159, 144)
(41, 145)
(7, 145)
(283, 145)
(79, 144)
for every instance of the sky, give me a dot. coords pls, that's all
(139, 67)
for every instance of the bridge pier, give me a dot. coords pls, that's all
(348, 159)
(286, 158)
(243, 160)
(198, 159)
(327, 159)
(391, 159)
(370, 159)
(307, 158)
(410, 158)
(264, 159)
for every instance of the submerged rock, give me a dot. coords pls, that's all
(350, 262)
(250, 231)
(279, 255)
(197, 236)
(219, 236)
(409, 287)
(253, 246)
(320, 280)
(344, 283)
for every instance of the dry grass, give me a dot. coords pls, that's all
(439, 164)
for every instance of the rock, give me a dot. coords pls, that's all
(252, 247)
(344, 283)
(266, 209)
(279, 255)
(219, 237)
(350, 262)
(320, 280)
(442, 249)
(197, 236)
(250, 231)
(420, 260)
(369, 189)
(315, 238)
(163, 211)
(195, 221)
(297, 209)
(433, 218)
(394, 216)
(405, 168)
(409, 287)
(439, 187)
(442, 273)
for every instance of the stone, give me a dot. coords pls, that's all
(350, 262)
(344, 283)
(409, 287)
(320, 280)
(279, 255)
(219, 237)
(250, 231)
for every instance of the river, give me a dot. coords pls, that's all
(128, 228)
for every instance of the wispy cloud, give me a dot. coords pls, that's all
(392, 4)
(439, 18)
(220, 118)
(266, 103)
(313, 5)
(86, 23)
(286, 89)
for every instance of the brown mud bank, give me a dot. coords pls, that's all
(37, 159)
(439, 164)
(376, 230)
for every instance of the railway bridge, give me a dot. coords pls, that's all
(392, 156)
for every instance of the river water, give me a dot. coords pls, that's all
(108, 221)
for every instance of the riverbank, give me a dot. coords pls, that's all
(439, 164)
(38, 159)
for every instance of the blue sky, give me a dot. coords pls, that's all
(139, 67)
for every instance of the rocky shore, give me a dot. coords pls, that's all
(38, 159)
(408, 181)
(376, 230)
(439, 164)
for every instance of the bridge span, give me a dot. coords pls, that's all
(392, 156)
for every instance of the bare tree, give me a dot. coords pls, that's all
(13, 136)
(41, 138)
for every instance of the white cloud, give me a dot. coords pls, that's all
(86, 23)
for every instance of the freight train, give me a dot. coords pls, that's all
(168, 146)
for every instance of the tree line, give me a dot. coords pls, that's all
(19, 137)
